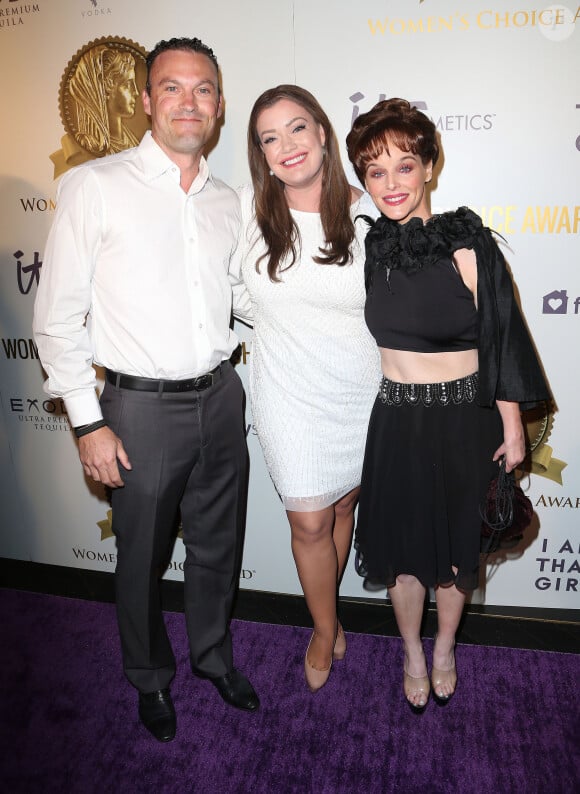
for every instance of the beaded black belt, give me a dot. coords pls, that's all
(121, 381)
(451, 392)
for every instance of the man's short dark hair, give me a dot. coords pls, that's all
(193, 45)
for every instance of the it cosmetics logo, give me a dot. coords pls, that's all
(449, 122)
(557, 302)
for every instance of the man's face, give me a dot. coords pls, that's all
(184, 101)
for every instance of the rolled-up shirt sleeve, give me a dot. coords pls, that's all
(63, 301)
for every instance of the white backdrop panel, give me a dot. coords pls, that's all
(499, 83)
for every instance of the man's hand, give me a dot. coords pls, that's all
(99, 452)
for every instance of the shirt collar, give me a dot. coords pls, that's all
(156, 162)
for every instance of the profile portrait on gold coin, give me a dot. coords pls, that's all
(99, 104)
(104, 92)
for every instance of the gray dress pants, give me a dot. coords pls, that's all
(188, 453)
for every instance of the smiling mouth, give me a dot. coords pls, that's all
(293, 160)
(394, 201)
(187, 117)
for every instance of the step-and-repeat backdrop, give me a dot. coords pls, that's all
(501, 82)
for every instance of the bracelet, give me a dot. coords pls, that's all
(84, 430)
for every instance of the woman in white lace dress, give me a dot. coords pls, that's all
(314, 371)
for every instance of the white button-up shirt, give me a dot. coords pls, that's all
(135, 275)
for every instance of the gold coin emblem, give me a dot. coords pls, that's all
(538, 424)
(99, 101)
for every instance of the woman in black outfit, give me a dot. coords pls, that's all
(458, 365)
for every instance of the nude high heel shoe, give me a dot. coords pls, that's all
(443, 678)
(416, 689)
(340, 645)
(444, 682)
(315, 677)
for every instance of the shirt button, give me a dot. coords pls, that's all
(200, 325)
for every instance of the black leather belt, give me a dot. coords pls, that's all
(121, 381)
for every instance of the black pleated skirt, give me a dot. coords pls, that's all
(426, 471)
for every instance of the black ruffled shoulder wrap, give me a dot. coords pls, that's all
(413, 245)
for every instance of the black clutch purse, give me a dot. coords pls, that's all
(505, 513)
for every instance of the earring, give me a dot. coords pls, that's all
(271, 172)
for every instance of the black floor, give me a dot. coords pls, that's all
(541, 629)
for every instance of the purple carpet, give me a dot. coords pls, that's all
(68, 720)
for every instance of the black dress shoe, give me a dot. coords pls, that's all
(157, 714)
(236, 690)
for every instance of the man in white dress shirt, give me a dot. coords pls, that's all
(135, 279)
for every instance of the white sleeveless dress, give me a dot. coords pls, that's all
(314, 366)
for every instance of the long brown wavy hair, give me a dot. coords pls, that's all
(273, 217)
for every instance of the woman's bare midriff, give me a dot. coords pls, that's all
(405, 366)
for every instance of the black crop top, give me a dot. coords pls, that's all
(427, 311)
(416, 299)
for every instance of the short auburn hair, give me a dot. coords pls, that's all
(393, 121)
